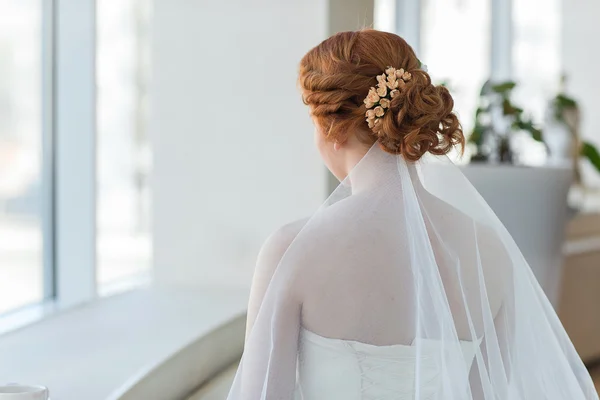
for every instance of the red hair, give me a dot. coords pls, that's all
(336, 76)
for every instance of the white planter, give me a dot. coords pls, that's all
(532, 204)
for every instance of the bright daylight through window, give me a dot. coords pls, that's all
(28, 87)
(123, 235)
(22, 199)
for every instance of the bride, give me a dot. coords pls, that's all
(404, 284)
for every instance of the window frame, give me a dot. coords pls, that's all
(74, 111)
(408, 25)
(48, 167)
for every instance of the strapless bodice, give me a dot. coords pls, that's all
(334, 369)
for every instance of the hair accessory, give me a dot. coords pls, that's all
(389, 85)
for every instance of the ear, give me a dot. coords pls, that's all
(339, 143)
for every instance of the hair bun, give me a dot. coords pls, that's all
(420, 120)
(338, 79)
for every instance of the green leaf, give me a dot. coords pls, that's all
(485, 88)
(564, 101)
(527, 125)
(477, 134)
(479, 111)
(510, 109)
(504, 87)
(536, 134)
(558, 114)
(590, 152)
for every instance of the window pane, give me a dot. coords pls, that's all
(536, 54)
(123, 148)
(455, 43)
(21, 266)
(385, 15)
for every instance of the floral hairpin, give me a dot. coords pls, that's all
(389, 85)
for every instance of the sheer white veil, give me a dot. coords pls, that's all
(410, 254)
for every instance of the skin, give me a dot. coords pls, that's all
(339, 157)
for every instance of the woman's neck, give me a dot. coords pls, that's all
(372, 170)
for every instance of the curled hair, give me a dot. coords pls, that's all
(335, 77)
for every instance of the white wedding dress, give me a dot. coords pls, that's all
(334, 369)
(403, 285)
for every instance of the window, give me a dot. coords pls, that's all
(535, 69)
(385, 15)
(455, 45)
(536, 54)
(123, 226)
(21, 189)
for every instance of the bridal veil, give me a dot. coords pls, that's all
(410, 254)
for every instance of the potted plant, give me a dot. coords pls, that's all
(496, 119)
(565, 113)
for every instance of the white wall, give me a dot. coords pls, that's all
(348, 15)
(581, 62)
(233, 150)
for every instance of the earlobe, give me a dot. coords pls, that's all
(336, 146)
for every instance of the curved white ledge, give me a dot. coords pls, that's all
(194, 365)
(218, 387)
(146, 344)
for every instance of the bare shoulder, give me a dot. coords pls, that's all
(269, 257)
(277, 244)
